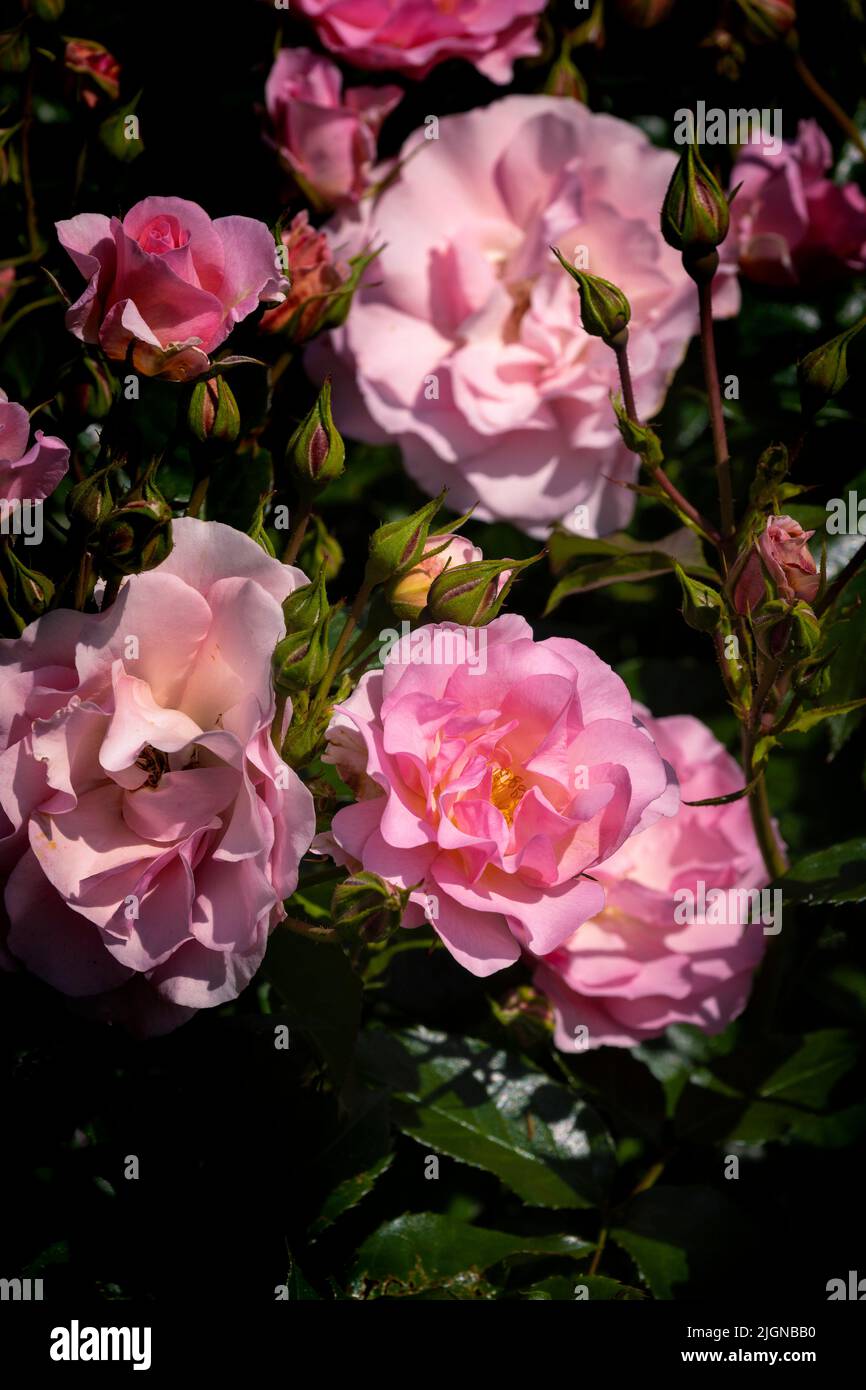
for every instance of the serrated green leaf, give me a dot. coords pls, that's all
(833, 875)
(490, 1109)
(684, 1241)
(424, 1250)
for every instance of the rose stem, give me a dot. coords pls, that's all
(717, 419)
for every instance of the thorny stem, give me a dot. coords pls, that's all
(299, 530)
(717, 419)
(759, 810)
(659, 474)
(26, 173)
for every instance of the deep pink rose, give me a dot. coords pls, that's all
(466, 346)
(91, 60)
(27, 473)
(653, 958)
(325, 136)
(494, 773)
(782, 555)
(150, 830)
(792, 224)
(314, 277)
(412, 36)
(167, 282)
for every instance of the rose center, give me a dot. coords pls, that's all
(506, 792)
(154, 762)
(161, 235)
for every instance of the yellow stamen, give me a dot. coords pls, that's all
(506, 791)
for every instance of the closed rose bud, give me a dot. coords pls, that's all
(91, 60)
(366, 907)
(301, 659)
(306, 605)
(473, 594)
(644, 14)
(768, 19)
(315, 278)
(93, 396)
(702, 605)
(408, 595)
(823, 372)
(398, 545)
(90, 502)
(28, 591)
(136, 537)
(49, 10)
(316, 451)
(605, 311)
(320, 551)
(527, 1015)
(14, 51)
(565, 80)
(782, 563)
(695, 215)
(213, 412)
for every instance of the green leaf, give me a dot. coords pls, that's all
(786, 1088)
(598, 1289)
(424, 1250)
(808, 718)
(348, 1194)
(321, 994)
(299, 1286)
(684, 1241)
(490, 1109)
(117, 137)
(621, 559)
(834, 875)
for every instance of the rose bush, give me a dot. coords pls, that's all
(467, 347)
(150, 830)
(634, 969)
(493, 788)
(166, 285)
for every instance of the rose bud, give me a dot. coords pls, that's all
(399, 545)
(365, 903)
(213, 412)
(30, 591)
(306, 605)
(49, 10)
(782, 558)
(702, 606)
(91, 60)
(93, 396)
(316, 450)
(605, 311)
(527, 1015)
(301, 659)
(408, 595)
(473, 594)
(644, 14)
(320, 551)
(565, 80)
(136, 537)
(90, 502)
(695, 215)
(768, 19)
(257, 530)
(314, 278)
(14, 51)
(824, 371)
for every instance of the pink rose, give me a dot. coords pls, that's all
(27, 474)
(665, 950)
(314, 277)
(495, 774)
(411, 37)
(167, 282)
(150, 830)
(791, 223)
(783, 556)
(409, 595)
(325, 136)
(466, 347)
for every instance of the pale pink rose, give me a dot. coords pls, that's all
(466, 345)
(326, 136)
(791, 223)
(495, 776)
(636, 967)
(314, 278)
(412, 36)
(409, 595)
(27, 474)
(167, 285)
(781, 555)
(150, 830)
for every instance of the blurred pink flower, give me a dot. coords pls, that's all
(326, 136)
(27, 473)
(412, 36)
(791, 223)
